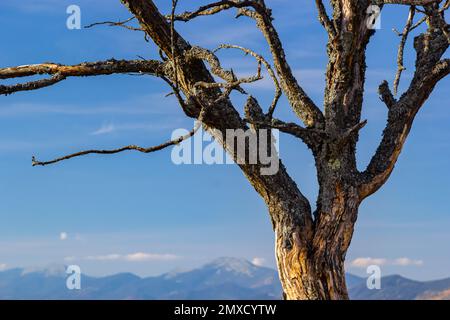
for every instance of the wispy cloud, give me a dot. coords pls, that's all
(154, 103)
(108, 128)
(104, 129)
(142, 256)
(2, 266)
(407, 262)
(107, 257)
(364, 262)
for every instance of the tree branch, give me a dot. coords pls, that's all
(223, 116)
(61, 72)
(325, 20)
(228, 75)
(122, 24)
(114, 151)
(406, 2)
(401, 48)
(159, 147)
(430, 47)
(32, 85)
(301, 103)
(272, 75)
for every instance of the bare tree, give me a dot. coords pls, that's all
(310, 246)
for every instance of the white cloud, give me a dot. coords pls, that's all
(107, 257)
(407, 262)
(70, 258)
(364, 262)
(2, 266)
(258, 261)
(63, 236)
(142, 256)
(104, 129)
(152, 126)
(134, 257)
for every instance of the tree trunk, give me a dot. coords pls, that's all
(309, 278)
(311, 267)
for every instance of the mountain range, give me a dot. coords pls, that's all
(224, 278)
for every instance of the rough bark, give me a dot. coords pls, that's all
(313, 273)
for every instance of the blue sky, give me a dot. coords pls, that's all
(141, 213)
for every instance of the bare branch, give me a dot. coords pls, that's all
(232, 82)
(223, 116)
(325, 20)
(417, 24)
(84, 69)
(406, 2)
(446, 5)
(172, 42)
(430, 69)
(33, 85)
(159, 147)
(208, 56)
(272, 75)
(213, 8)
(301, 103)
(113, 151)
(254, 115)
(122, 24)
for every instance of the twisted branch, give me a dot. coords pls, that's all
(300, 102)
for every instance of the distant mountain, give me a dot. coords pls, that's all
(224, 278)
(396, 287)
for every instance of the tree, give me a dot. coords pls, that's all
(310, 246)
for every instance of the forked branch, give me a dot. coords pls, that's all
(260, 59)
(430, 69)
(300, 102)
